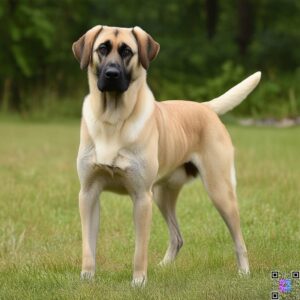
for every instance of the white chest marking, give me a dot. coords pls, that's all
(107, 142)
(111, 140)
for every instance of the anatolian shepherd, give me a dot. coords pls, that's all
(129, 143)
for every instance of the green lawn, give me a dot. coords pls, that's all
(40, 238)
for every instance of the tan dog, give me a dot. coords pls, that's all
(130, 143)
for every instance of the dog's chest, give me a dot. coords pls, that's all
(106, 149)
(106, 138)
(114, 155)
(109, 150)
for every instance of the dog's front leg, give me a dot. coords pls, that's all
(89, 214)
(142, 213)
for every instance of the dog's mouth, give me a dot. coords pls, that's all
(119, 86)
(113, 78)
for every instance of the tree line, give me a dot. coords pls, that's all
(206, 46)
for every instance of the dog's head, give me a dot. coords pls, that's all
(116, 56)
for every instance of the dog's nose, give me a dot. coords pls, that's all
(112, 73)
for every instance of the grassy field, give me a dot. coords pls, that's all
(40, 238)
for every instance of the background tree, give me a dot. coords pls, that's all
(206, 46)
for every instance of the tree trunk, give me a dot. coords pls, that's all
(6, 96)
(245, 24)
(212, 14)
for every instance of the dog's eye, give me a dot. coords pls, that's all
(125, 52)
(103, 50)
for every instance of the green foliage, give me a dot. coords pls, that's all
(198, 59)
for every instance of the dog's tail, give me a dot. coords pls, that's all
(234, 96)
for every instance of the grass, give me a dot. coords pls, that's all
(40, 238)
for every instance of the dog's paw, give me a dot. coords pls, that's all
(244, 273)
(87, 275)
(139, 282)
(164, 263)
(167, 260)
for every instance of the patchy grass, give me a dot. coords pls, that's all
(40, 238)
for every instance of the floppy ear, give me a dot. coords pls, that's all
(148, 47)
(83, 47)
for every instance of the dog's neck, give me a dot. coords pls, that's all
(114, 108)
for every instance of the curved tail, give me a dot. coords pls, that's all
(234, 96)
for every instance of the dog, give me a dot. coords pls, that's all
(131, 144)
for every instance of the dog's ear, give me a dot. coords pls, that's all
(83, 47)
(148, 47)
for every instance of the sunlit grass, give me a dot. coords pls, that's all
(40, 238)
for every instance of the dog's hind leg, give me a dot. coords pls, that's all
(218, 175)
(165, 197)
